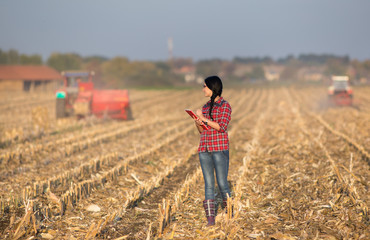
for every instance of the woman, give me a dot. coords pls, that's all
(214, 144)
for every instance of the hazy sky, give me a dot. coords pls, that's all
(201, 29)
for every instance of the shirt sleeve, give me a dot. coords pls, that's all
(225, 117)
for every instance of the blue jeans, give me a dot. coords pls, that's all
(211, 162)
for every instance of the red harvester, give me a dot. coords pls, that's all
(340, 93)
(78, 97)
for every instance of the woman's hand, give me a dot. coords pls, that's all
(198, 121)
(200, 114)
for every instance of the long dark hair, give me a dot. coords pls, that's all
(214, 83)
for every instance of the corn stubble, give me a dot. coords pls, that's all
(294, 172)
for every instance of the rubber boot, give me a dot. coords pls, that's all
(209, 208)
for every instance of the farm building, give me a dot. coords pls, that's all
(312, 74)
(28, 78)
(273, 72)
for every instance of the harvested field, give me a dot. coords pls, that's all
(298, 169)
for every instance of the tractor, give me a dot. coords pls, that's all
(340, 93)
(77, 97)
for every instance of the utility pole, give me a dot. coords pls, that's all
(170, 48)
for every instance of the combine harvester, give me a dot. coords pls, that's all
(340, 93)
(79, 98)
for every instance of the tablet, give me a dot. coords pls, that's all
(194, 116)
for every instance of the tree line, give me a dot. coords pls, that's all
(120, 72)
(117, 72)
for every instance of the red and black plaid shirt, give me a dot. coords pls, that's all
(212, 140)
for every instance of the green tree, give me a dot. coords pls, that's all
(366, 65)
(228, 68)
(33, 59)
(62, 62)
(115, 71)
(13, 57)
(3, 57)
(94, 59)
(361, 69)
(258, 72)
(121, 73)
(94, 63)
(252, 60)
(290, 71)
(209, 67)
(336, 66)
(181, 62)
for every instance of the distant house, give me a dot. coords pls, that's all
(242, 69)
(189, 73)
(28, 78)
(311, 74)
(273, 72)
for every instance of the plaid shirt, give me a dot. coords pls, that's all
(212, 140)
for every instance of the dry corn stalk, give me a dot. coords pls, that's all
(40, 119)
(164, 216)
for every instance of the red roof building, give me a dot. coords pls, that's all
(28, 77)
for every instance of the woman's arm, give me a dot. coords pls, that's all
(210, 123)
(223, 121)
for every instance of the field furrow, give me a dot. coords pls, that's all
(148, 205)
(299, 169)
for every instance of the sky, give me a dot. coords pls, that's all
(200, 29)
